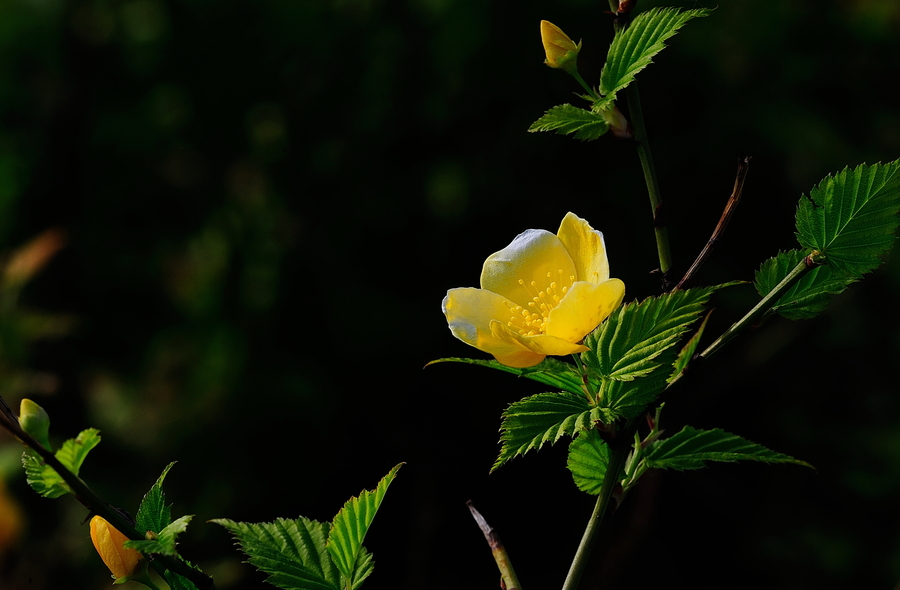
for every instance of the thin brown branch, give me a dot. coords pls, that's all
(730, 206)
(508, 579)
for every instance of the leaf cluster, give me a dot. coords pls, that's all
(304, 554)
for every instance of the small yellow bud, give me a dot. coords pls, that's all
(35, 421)
(109, 543)
(561, 51)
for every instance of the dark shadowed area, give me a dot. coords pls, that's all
(241, 217)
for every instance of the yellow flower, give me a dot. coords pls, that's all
(561, 51)
(109, 543)
(540, 295)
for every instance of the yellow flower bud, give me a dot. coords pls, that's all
(109, 543)
(561, 51)
(35, 421)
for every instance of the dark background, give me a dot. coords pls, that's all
(264, 203)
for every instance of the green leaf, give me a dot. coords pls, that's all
(166, 539)
(588, 461)
(566, 119)
(689, 350)
(633, 49)
(153, 514)
(44, 479)
(851, 217)
(349, 528)
(550, 371)
(639, 337)
(810, 295)
(691, 448)
(546, 417)
(177, 581)
(291, 552)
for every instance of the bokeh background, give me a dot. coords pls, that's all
(227, 227)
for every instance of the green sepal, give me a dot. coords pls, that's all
(692, 448)
(550, 371)
(588, 461)
(349, 528)
(567, 120)
(546, 417)
(633, 48)
(44, 479)
(153, 514)
(851, 217)
(291, 552)
(810, 295)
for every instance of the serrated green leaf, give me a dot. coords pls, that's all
(691, 448)
(291, 552)
(566, 120)
(364, 567)
(633, 49)
(639, 337)
(546, 417)
(44, 479)
(153, 514)
(165, 541)
(550, 371)
(689, 350)
(349, 528)
(851, 217)
(810, 295)
(588, 460)
(177, 581)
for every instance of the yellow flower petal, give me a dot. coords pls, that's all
(542, 344)
(520, 271)
(109, 543)
(470, 313)
(586, 247)
(556, 43)
(583, 308)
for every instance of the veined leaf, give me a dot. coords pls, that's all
(810, 295)
(44, 479)
(640, 337)
(545, 417)
(550, 371)
(692, 448)
(165, 540)
(633, 49)
(177, 581)
(588, 461)
(291, 552)
(851, 217)
(349, 528)
(566, 120)
(689, 350)
(153, 514)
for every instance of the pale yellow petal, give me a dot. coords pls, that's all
(541, 344)
(470, 313)
(583, 308)
(586, 247)
(529, 258)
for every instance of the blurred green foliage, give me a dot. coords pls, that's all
(264, 203)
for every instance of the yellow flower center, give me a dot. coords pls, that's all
(532, 320)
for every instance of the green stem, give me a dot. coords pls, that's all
(808, 263)
(643, 148)
(617, 458)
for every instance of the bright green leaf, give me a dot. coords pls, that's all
(44, 479)
(588, 461)
(691, 448)
(689, 350)
(153, 514)
(566, 119)
(166, 539)
(633, 49)
(550, 371)
(349, 528)
(538, 419)
(810, 295)
(851, 217)
(291, 552)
